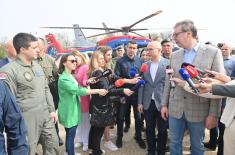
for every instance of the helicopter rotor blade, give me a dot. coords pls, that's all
(104, 33)
(145, 18)
(89, 28)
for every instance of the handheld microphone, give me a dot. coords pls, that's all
(139, 83)
(143, 69)
(118, 83)
(200, 71)
(170, 72)
(185, 76)
(105, 73)
(193, 73)
(132, 72)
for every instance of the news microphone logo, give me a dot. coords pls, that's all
(185, 76)
(105, 73)
(194, 73)
(170, 72)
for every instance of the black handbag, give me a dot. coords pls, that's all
(102, 116)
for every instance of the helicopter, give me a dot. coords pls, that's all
(83, 44)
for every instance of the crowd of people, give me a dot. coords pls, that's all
(91, 97)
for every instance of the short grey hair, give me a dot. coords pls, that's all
(187, 25)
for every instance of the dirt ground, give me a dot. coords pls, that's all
(130, 147)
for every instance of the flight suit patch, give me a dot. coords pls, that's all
(3, 76)
(28, 76)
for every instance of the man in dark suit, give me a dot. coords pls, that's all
(186, 109)
(150, 97)
(10, 54)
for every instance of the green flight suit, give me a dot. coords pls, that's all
(28, 85)
(48, 65)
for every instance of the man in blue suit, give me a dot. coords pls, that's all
(150, 98)
(10, 54)
(12, 122)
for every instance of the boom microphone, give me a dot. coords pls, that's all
(139, 83)
(105, 73)
(170, 72)
(185, 75)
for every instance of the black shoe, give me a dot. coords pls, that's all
(60, 142)
(141, 144)
(126, 129)
(209, 146)
(119, 142)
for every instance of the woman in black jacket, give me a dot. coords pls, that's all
(100, 107)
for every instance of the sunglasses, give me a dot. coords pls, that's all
(73, 61)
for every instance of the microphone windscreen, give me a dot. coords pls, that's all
(144, 68)
(118, 83)
(192, 71)
(184, 74)
(132, 72)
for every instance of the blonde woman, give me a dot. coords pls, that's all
(81, 77)
(100, 110)
(69, 104)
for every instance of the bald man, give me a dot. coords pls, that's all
(10, 53)
(150, 97)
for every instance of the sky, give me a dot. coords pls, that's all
(216, 16)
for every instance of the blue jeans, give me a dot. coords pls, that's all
(70, 135)
(196, 132)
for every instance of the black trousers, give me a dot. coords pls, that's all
(121, 113)
(153, 116)
(95, 136)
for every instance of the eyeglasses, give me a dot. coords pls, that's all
(73, 61)
(174, 35)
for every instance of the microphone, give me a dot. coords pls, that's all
(200, 71)
(185, 75)
(132, 72)
(105, 73)
(193, 73)
(143, 69)
(170, 72)
(118, 83)
(138, 84)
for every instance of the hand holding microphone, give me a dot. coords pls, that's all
(185, 75)
(139, 83)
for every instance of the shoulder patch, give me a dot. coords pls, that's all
(3, 76)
